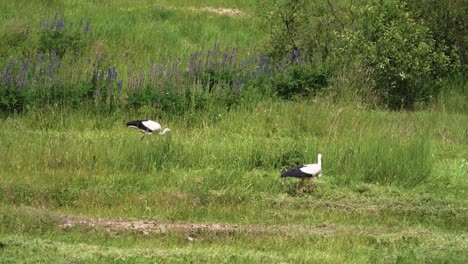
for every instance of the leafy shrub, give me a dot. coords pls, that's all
(141, 97)
(447, 22)
(211, 78)
(11, 99)
(399, 48)
(312, 26)
(286, 21)
(299, 80)
(169, 102)
(400, 54)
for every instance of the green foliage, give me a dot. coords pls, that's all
(210, 78)
(85, 92)
(11, 99)
(14, 36)
(447, 21)
(285, 20)
(165, 101)
(314, 27)
(401, 55)
(300, 81)
(59, 37)
(60, 42)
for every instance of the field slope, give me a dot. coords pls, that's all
(85, 189)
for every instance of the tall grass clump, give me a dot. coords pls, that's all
(386, 161)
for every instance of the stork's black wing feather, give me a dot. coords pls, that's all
(139, 125)
(296, 172)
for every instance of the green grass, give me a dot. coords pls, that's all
(139, 30)
(394, 188)
(225, 168)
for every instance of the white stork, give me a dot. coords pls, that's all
(305, 171)
(147, 127)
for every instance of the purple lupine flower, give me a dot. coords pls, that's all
(25, 66)
(60, 24)
(54, 20)
(194, 55)
(53, 57)
(295, 55)
(190, 70)
(109, 74)
(18, 81)
(119, 85)
(7, 70)
(87, 28)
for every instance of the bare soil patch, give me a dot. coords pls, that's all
(151, 226)
(223, 11)
(216, 10)
(147, 226)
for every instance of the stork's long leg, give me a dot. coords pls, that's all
(299, 185)
(311, 187)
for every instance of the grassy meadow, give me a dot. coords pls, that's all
(394, 185)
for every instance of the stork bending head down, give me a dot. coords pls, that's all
(306, 171)
(147, 127)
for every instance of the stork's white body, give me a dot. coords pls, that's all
(312, 169)
(147, 126)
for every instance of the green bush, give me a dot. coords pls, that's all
(400, 55)
(300, 80)
(400, 49)
(210, 78)
(169, 102)
(12, 99)
(447, 21)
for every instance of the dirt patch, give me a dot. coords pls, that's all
(223, 11)
(149, 226)
(216, 10)
(146, 227)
